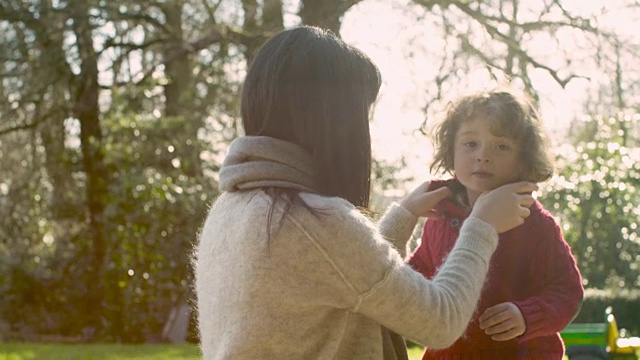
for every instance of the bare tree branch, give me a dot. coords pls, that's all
(217, 35)
(18, 128)
(211, 10)
(513, 45)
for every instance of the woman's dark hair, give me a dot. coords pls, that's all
(308, 87)
(511, 115)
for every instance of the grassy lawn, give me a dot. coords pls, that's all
(415, 352)
(31, 351)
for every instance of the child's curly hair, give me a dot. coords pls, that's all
(512, 116)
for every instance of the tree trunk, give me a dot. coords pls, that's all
(619, 95)
(179, 93)
(326, 14)
(52, 110)
(272, 19)
(87, 111)
(513, 34)
(270, 23)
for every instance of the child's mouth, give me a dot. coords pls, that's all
(482, 174)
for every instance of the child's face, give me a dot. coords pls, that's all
(483, 161)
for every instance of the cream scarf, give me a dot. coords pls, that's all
(261, 161)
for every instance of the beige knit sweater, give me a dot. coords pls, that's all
(323, 285)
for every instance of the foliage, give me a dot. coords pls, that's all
(597, 200)
(153, 215)
(116, 118)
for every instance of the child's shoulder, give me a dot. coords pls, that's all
(540, 217)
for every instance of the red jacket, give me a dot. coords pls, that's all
(532, 267)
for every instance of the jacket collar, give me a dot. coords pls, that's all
(451, 206)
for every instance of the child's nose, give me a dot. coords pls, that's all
(483, 156)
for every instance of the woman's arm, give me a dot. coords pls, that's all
(435, 313)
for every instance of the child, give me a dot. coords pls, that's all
(533, 287)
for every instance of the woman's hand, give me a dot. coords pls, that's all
(421, 202)
(505, 207)
(503, 322)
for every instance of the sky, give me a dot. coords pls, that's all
(378, 27)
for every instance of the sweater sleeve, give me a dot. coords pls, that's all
(435, 312)
(397, 225)
(551, 310)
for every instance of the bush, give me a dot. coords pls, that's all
(625, 304)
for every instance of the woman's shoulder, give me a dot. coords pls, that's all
(327, 203)
(314, 211)
(335, 213)
(244, 201)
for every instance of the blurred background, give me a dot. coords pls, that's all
(115, 116)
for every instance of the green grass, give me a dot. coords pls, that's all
(32, 351)
(415, 352)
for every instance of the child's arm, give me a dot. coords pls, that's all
(555, 307)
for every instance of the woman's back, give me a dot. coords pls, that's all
(293, 295)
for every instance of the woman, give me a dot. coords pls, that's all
(287, 265)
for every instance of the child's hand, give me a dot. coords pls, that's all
(503, 321)
(421, 202)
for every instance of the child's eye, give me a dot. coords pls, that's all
(504, 147)
(470, 144)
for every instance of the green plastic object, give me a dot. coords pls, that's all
(585, 334)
